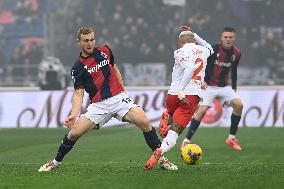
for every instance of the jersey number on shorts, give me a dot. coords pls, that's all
(126, 100)
(195, 75)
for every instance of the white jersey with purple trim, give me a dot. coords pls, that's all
(190, 55)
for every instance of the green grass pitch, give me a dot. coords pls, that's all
(114, 158)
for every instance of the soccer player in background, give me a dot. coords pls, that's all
(225, 60)
(185, 90)
(96, 72)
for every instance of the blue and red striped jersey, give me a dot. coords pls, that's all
(96, 74)
(220, 64)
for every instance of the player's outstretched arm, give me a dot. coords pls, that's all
(118, 74)
(76, 107)
(204, 43)
(198, 39)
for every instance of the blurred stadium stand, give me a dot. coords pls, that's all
(138, 31)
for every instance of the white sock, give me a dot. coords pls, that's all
(232, 136)
(169, 141)
(55, 162)
(162, 158)
(186, 140)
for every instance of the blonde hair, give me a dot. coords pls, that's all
(84, 30)
(186, 39)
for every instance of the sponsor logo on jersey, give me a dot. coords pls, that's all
(223, 64)
(97, 67)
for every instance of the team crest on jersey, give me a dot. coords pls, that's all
(104, 55)
(233, 58)
(218, 55)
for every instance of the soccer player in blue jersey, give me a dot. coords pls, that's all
(221, 63)
(96, 73)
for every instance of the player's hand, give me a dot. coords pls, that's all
(185, 28)
(70, 121)
(181, 96)
(204, 85)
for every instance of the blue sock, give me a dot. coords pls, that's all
(64, 148)
(194, 124)
(235, 120)
(152, 139)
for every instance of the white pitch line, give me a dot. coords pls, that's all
(114, 162)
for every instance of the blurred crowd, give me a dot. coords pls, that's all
(22, 36)
(18, 19)
(146, 31)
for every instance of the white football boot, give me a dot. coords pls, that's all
(166, 164)
(47, 167)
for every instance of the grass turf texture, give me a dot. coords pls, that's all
(114, 158)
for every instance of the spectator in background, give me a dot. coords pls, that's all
(25, 11)
(16, 57)
(3, 59)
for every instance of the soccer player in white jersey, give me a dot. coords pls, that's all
(185, 90)
(222, 63)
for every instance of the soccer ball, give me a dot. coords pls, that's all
(191, 154)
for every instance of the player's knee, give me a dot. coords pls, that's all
(238, 105)
(177, 128)
(145, 125)
(73, 135)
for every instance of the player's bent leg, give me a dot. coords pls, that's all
(194, 124)
(138, 117)
(81, 126)
(237, 105)
(200, 113)
(232, 141)
(168, 142)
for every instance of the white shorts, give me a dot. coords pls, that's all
(224, 94)
(117, 106)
